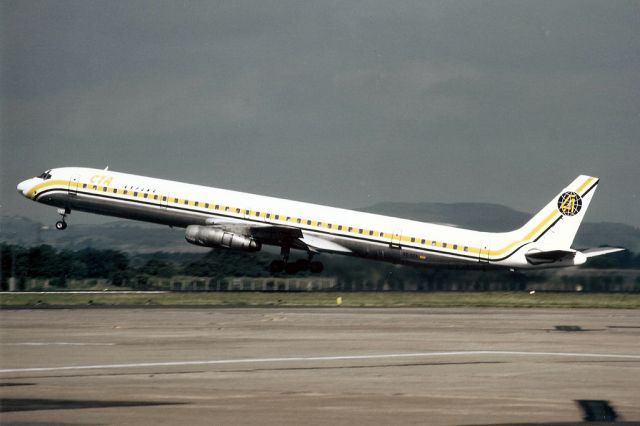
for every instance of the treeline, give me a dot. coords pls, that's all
(44, 261)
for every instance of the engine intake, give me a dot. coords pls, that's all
(215, 237)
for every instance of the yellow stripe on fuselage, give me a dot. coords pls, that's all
(32, 192)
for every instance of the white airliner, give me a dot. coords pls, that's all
(236, 220)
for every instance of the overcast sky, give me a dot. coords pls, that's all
(343, 103)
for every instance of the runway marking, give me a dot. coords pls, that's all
(55, 344)
(316, 358)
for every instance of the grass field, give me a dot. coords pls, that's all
(367, 299)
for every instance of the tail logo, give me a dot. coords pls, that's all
(569, 203)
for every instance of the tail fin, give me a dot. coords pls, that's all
(557, 223)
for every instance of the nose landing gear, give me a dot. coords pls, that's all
(62, 224)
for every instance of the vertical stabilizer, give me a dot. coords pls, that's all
(557, 223)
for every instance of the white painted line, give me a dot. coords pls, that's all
(316, 358)
(55, 344)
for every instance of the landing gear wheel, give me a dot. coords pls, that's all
(302, 264)
(276, 266)
(61, 224)
(291, 268)
(316, 267)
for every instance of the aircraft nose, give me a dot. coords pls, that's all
(23, 187)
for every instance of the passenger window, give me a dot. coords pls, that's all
(370, 232)
(95, 186)
(360, 231)
(206, 205)
(84, 185)
(433, 243)
(125, 192)
(217, 207)
(175, 200)
(146, 195)
(155, 197)
(247, 212)
(237, 210)
(413, 239)
(299, 220)
(196, 203)
(135, 193)
(164, 198)
(186, 202)
(455, 247)
(308, 222)
(444, 245)
(422, 242)
(339, 227)
(268, 215)
(465, 248)
(257, 214)
(350, 229)
(382, 234)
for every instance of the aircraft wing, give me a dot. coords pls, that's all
(318, 244)
(282, 236)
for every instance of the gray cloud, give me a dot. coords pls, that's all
(345, 103)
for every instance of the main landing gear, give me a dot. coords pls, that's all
(299, 265)
(62, 224)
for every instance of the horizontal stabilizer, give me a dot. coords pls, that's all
(599, 251)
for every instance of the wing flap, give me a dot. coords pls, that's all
(318, 244)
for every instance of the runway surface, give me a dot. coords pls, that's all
(334, 366)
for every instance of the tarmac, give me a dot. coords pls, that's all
(337, 366)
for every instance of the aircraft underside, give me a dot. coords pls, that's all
(166, 215)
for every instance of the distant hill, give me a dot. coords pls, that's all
(139, 237)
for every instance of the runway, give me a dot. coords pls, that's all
(316, 366)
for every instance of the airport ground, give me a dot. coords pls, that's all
(338, 366)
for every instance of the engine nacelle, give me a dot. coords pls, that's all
(215, 237)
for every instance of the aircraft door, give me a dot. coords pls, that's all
(396, 238)
(74, 182)
(484, 253)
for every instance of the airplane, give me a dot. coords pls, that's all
(233, 220)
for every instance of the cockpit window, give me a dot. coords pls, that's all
(45, 175)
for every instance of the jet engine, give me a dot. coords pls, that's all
(207, 236)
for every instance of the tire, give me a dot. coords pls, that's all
(276, 266)
(316, 267)
(60, 225)
(291, 268)
(302, 264)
